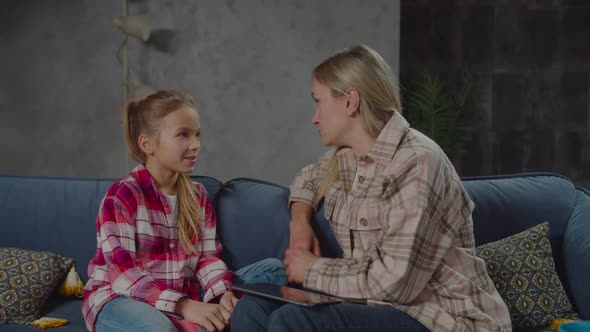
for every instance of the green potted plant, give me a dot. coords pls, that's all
(443, 110)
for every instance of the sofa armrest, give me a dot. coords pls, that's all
(576, 253)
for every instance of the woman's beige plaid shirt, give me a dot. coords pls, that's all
(407, 234)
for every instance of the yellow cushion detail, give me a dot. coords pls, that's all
(47, 322)
(72, 285)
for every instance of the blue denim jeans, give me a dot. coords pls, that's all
(253, 314)
(127, 314)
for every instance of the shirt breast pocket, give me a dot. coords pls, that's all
(366, 229)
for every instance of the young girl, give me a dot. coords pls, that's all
(157, 262)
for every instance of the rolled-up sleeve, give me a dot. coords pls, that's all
(306, 184)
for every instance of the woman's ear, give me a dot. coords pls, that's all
(145, 144)
(353, 101)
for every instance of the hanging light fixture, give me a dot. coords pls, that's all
(138, 26)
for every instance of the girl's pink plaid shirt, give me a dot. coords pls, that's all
(139, 254)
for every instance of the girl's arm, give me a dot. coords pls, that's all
(127, 276)
(211, 272)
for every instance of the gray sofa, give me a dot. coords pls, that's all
(58, 215)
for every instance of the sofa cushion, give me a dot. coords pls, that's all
(522, 268)
(27, 279)
(69, 308)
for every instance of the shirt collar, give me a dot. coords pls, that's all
(142, 176)
(387, 142)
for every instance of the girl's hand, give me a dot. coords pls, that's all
(213, 317)
(228, 301)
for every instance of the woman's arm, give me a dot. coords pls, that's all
(303, 202)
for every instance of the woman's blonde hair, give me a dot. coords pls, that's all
(142, 117)
(363, 69)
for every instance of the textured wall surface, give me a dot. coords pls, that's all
(246, 62)
(533, 61)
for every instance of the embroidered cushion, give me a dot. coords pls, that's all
(27, 279)
(522, 268)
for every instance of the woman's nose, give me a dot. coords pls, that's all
(315, 118)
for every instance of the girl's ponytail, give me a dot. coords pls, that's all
(131, 129)
(190, 213)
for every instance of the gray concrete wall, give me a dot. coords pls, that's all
(246, 62)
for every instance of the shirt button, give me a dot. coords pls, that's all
(364, 222)
(171, 245)
(361, 179)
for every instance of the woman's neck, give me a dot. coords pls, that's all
(360, 141)
(164, 180)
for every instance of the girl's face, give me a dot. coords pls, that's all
(330, 115)
(178, 143)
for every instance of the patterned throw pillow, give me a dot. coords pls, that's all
(522, 268)
(27, 279)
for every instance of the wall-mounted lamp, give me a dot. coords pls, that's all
(138, 26)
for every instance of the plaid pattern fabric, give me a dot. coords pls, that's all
(139, 254)
(407, 234)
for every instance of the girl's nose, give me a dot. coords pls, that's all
(195, 144)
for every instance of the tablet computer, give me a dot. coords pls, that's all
(286, 294)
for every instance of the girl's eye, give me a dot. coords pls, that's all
(183, 135)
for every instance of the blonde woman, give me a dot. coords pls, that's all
(398, 210)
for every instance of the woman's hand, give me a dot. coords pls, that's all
(228, 301)
(301, 233)
(213, 317)
(297, 261)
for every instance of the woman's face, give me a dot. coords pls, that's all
(330, 115)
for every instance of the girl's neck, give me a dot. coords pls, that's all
(164, 180)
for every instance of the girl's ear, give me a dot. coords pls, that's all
(145, 144)
(353, 101)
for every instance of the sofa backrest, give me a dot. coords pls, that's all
(253, 222)
(253, 209)
(506, 205)
(57, 214)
